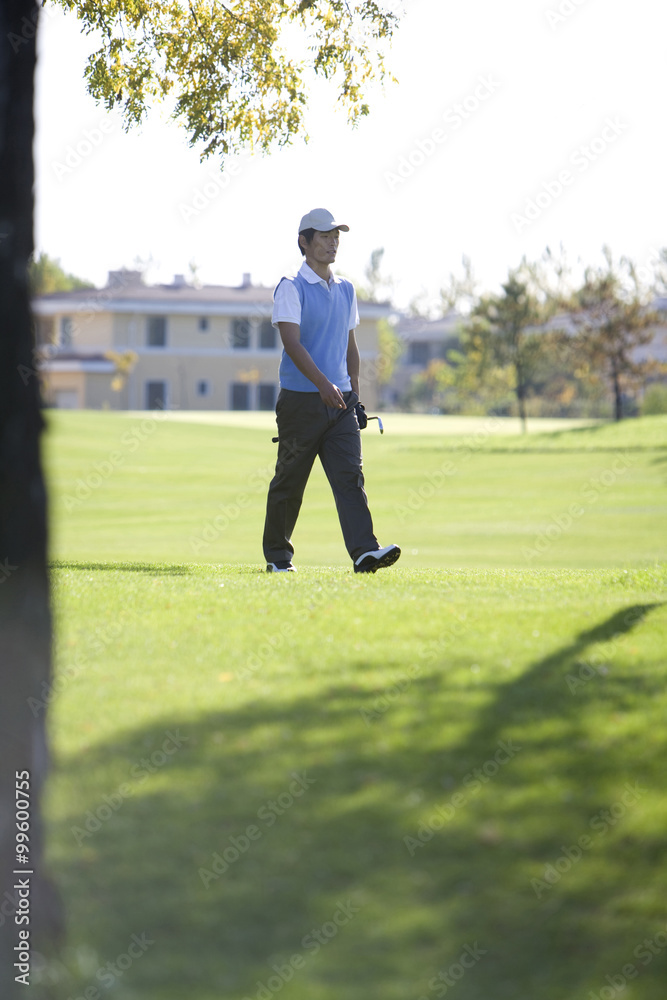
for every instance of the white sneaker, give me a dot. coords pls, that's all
(280, 567)
(369, 562)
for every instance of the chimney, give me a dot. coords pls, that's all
(246, 283)
(124, 278)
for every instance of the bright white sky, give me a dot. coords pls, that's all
(555, 88)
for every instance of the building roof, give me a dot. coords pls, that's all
(126, 292)
(417, 328)
(92, 363)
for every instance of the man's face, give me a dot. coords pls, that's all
(323, 247)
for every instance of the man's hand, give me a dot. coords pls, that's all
(362, 419)
(331, 395)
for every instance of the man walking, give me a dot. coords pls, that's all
(316, 315)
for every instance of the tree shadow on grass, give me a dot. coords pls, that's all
(660, 460)
(296, 859)
(125, 567)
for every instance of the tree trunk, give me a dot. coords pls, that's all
(25, 625)
(521, 397)
(522, 412)
(618, 398)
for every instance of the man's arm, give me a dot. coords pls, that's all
(353, 361)
(290, 334)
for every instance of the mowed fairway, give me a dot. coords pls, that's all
(156, 487)
(447, 778)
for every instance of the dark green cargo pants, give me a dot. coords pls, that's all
(307, 428)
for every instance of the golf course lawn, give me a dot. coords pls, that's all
(447, 777)
(154, 487)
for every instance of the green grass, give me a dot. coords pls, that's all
(394, 694)
(155, 489)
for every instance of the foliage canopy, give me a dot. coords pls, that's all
(226, 66)
(47, 275)
(501, 334)
(613, 324)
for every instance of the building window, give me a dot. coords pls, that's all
(203, 324)
(66, 329)
(157, 331)
(203, 388)
(44, 327)
(266, 399)
(267, 335)
(156, 395)
(240, 396)
(418, 353)
(241, 335)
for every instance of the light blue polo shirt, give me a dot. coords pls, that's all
(327, 314)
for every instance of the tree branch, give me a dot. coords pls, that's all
(196, 20)
(239, 19)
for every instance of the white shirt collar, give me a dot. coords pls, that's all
(307, 272)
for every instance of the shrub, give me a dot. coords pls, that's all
(655, 400)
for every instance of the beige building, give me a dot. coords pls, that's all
(197, 348)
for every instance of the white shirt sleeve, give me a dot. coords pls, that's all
(354, 313)
(286, 304)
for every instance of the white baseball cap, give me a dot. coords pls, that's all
(322, 221)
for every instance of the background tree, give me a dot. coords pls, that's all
(376, 286)
(651, 275)
(500, 334)
(124, 363)
(233, 86)
(481, 383)
(459, 292)
(612, 321)
(550, 278)
(660, 269)
(225, 68)
(47, 276)
(379, 287)
(428, 389)
(25, 626)
(390, 348)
